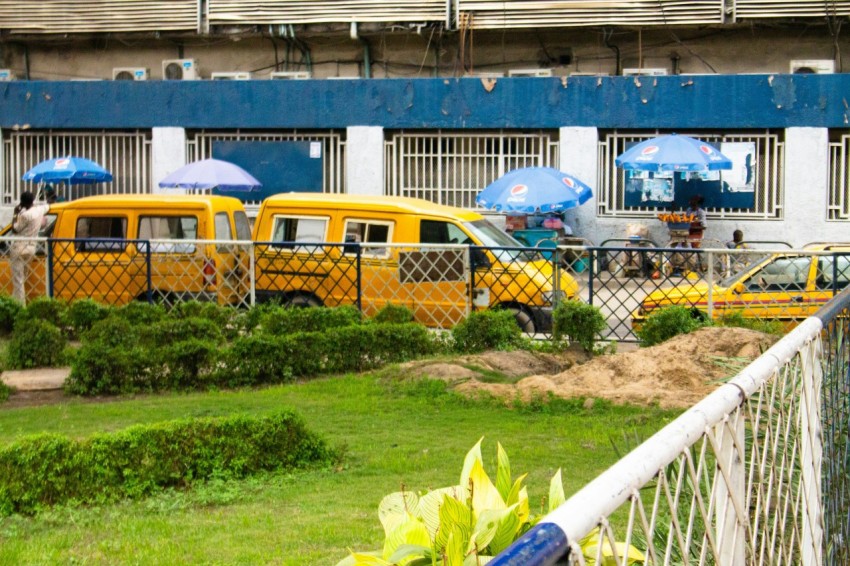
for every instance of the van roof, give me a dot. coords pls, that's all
(371, 203)
(149, 201)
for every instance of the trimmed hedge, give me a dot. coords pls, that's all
(51, 469)
(487, 330)
(280, 320)
(35, 343)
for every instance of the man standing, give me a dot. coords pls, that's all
(26, 223)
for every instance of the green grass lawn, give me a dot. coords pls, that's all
(395, 433)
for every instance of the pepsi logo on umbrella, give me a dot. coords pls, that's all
(61, 163)
(518, 193)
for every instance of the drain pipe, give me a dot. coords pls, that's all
(367, 57)
(303, 48)
(607, 35)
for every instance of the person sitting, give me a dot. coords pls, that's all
(735, 262)
(737, 240)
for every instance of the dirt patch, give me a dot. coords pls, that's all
(677, 373)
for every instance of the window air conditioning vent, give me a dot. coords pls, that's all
(130, 74)
(179, 69)
(6, 75)
(658, 72)
(530, 72)
(812, 66)
(489, 75)
(239, 76)
(298, 75)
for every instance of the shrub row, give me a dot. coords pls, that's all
(52, 469)
(118, 357)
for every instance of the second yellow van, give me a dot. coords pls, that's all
(329, 249)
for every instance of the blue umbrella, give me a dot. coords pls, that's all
(534, 189)
(71, 170)
(673, 153)
(211, 174)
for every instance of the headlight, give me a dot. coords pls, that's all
(549, 297)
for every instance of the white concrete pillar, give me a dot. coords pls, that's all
(168, 153)
(579, 156)
(364, 160)
(806, 185)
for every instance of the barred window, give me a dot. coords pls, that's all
(767, 173)
(453, 167)
(838, 207)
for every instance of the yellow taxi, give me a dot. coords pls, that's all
(784, 287)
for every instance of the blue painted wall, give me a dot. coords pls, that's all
(684, 102)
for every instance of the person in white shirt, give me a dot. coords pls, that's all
(26, 223)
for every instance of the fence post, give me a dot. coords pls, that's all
(811, 457)
(359, 279)
(591, 274)
(730, 496)
(49, 267)
(149, 268)
(252, 264)
(710, 280)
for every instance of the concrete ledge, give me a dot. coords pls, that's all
(39, 379)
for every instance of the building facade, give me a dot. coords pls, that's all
(437, 98)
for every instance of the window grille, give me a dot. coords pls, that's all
(127, 155)
(838, 207)
(768, 175)
(452, 168)
(199, 146)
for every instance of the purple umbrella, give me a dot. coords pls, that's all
(211, 174)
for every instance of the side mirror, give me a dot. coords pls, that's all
(738, 288)
(478, 258)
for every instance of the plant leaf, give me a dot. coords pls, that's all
(453, 552)
(507, 531)
(406, 553)
(473, 560)
(590, 545)
(491, 523)
(429, 506)
(503, 472)
(410, 532)
(455, 516)
(394, 509)
(484, 494)
(364, 559)
(556, 491)
(474, 455)
(513, 494)
(523, 510)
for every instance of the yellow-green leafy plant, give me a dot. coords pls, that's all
(461, 525)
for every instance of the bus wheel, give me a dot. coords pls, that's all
(523, 320)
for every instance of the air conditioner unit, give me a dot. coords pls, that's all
(589, 74)
(490, 75)
(130, 74)
(813, 66)
(179, 69)
(297, 75)
(239, 76)
(6, 75)
(530, 72)
(657, 72)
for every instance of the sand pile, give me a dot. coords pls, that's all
(677, 373)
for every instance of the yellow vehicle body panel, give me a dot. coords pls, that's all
(437, 299)
(785, 287)
(117, 273)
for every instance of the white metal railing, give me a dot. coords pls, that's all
(127, 155)
(838, 205)
(452, 167)
(768, 174)
(734, 480)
